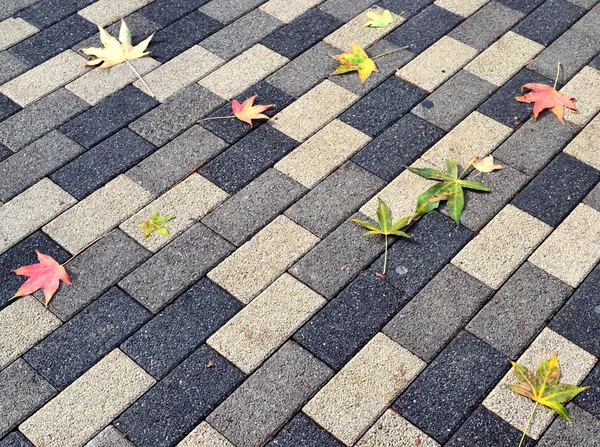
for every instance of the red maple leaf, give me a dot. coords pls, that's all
(546, 97)
(247, 111)
(47, 275)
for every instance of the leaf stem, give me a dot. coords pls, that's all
(216, 118)
(389, 52)
(557, 75)
(141, 79)
(528, 423)
(85, 248)
(466, 169)
(385, 255)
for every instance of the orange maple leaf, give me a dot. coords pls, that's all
(546, 97)
(247, 111)
(47, 275)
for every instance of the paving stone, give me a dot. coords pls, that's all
(334, 262)
(243, 162)
(166, 274)
(443, 307)
(476, 134)
(335, 199)
(10, 66)
(581, 147)
(588, 4)
(14, 30)
(460, 7)
(241, 34)
(585, 84)
(266, 400)
(525, 6)
(78, 344)
(318, 156)
(484, 429)
(301, 34)
(549, 21)
(241, 72)
(575, 364)
(7, 107)
(188, 201)
(593, 198)
(89, 404)
(286, 12)
(254, 206)
(44, 14)
(573, 249)
(98, 213)
(226, 11)
(105, 12)
(583, 308)
(408, 7)
(205, 436)
(166, 12)
(22, 392)
(109, 437)
(595, 63)
(353, 400)
(176, 114)
(392, 430)
(301, 431)
(172, 162)
(590, 400)
(98, 166)
(15, 439)
(30, 210)
(557, 190)
(584, 431)
(262, 259)
(96, 270)
(345, 9)
(40, 118)
(35, 161)
(9, 7)
(502, 246)
(366, 305)
(512, 319)
(5, 152)
(166, 340)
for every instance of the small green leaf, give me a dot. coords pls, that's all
(456, 202)
(424, 202)
(452, 168)
(365, 224)
(470, 184)
(156, 223)
(384, 216)
(379, 20)
(429, 173)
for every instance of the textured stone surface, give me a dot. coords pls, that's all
(109, 437)
(584, 430)
(303, 431)
(204, 436)
(392, 430)
(581, 147)
(105, 12)
(587, 80)
(14, 30)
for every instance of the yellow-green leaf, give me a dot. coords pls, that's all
(356, 60)
(379, 20)
(156, 223)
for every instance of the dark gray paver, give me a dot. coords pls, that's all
(525, 6)
(549, 21)
(9, 7)
(585, 430)
(264, 402)
(5, 152)
(15, 439)
(346, 10)
(166, 12)
(590, 400)
(301, 431)
(593, 198)
(226, 11)
(10, 66)
(407, 8)
(7, 107)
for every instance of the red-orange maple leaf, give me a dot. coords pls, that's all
(546, 97)
(47, 275)
(247, 111)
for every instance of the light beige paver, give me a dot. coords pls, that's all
(243, 71)
(257, 263)
(100, 83)
(439, 62)
(109, 437)
(188, 201)
(392, 430)
(89, 404)
(573, 249)
(287, 11)
(98, 213)
(22, 324)
(30, 210)
(356, 32)
(313, 110)
(477, 134)
(14, 30)
(575, 364)
(463, 8)
(314, 159)
(45, 78)
(205, 436)
(105, 12)
(584, 146)
(585, 86)
(503, 59)
(503, 244)
(266, 323)
(357, 395)
(180, 71)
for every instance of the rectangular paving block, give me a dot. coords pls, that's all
(563, 434)
(284, 383)
(14, 30)
(504, 58)
(391, 429)
(105, 12)
(345, 9)
(7, 107)
(175, 332)
(575, 364)
(205, 436)
(318, 156)
(356, 396)
(266, 323)
(98, 213)
(525, 6)
(303, 430)
(22, 392)
(15, 439)
(409, 8)
(30, 210)
(502, 246)
(165, 12)
(226, 11)
(166, 274)
(590, 400)
(582, 146)
(286, 12)
(593, 198)
(110, 436)
(586, 84)
(42, 15)
(573, 249)
(254, 206)
(89, 404)
(463, 8)
(188, 201)
(262, 259)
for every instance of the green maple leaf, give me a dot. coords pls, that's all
(156, 223)
(386, 227)
(379, 20)
(356, 60)
(450, 189)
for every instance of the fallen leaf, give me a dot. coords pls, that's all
(544, 387)
(210, 364)
(47, 275)
(156, 223)
(116, 51)
(356, 60)
(379, 20)
(546, 97)
(485, 164)
(247, 111)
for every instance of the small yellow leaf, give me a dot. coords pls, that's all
(379, 20)
(356, 60)
(485, 164)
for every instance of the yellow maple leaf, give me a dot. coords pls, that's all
(356, 60)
